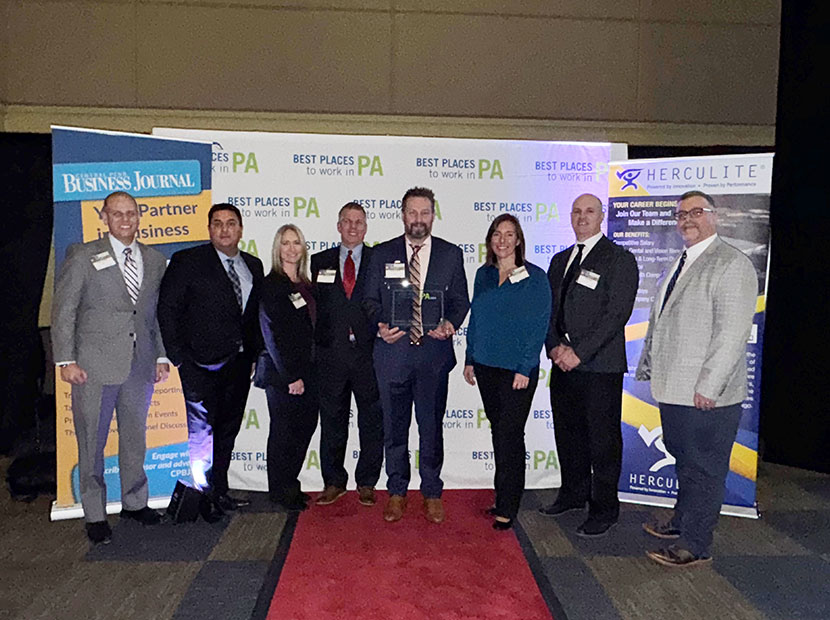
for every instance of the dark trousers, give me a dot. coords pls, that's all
(507, 409)
(586, 422)
(421, 382)
(215, 401)
(341, 373)
(293, 420)
(701, 441)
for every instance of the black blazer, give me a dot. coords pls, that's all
(287, 333)
(336, 313)
(198, 314)
(596, 318)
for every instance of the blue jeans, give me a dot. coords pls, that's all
(701, 441)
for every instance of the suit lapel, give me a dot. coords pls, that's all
(361, 274)
(691, 274)
(221, 274)
(115, 275)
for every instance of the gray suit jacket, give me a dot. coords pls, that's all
(93, 318)
(698, 343)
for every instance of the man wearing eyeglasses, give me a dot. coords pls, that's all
(695, 356)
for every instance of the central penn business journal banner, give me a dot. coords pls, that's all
(305, 179)
(643, 197)
(171, 181)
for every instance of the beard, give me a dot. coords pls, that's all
(418, 230)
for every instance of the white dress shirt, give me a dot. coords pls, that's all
(423, 255)
(246, 278)
(589, 244)
(692, 254)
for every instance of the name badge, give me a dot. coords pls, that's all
(588, 278)
(395, 270)
(519, 274)
(297, 300)
(102, 260)
(326, 276)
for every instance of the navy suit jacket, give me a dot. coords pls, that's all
(445, 273)
(336, 313)
(596, 318)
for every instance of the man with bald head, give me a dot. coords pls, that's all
(593, 284)
(107, 345)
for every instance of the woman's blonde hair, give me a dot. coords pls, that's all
(276, 261)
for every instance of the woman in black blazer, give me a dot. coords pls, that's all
(285, 369)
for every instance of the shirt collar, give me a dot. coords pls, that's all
(224, 258)
(357, 251)
(118, 247)
(699, 248)
(590, 242)
(424, 243)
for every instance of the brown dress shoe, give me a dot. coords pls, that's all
(394, 508)
(330, 495)
(434, 510)
(366, 496)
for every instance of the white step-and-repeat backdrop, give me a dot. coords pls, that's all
(305, 179)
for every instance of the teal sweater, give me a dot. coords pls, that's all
(508, 323)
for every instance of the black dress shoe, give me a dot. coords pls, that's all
(210, 510)
(594, 528)
(229, 504)
(145, 516)
(557, 508)
(502, 525)
(99, 533)
(292, 502)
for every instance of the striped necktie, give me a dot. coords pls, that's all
(131, 275)
(416, 330)
(237, 285)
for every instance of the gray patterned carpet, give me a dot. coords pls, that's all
(776, 567)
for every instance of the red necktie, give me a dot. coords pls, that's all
(348, 275)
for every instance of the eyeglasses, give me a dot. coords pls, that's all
(693, 213)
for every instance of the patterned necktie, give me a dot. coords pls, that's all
(348, 275)
(570, 275)
(237, 286)
(131, 275)
(673, 281)
(416, 330)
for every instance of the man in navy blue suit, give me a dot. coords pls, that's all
(417, 295)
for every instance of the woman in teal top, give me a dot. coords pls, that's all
(509, 319)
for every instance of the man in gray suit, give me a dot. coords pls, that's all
(107, 344)
(695, 356)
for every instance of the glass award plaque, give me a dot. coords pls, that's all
(432, 307)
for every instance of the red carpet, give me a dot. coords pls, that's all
(346, 562)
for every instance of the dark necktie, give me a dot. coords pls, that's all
(673, 281)
(237, 285)
(348, 275)
(131, 274)
(416, 331)
(570, 276)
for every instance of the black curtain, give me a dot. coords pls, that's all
(795, 425)
(26, 182)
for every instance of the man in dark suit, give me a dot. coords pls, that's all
(593, 284)
(414, 353)
(106, 343)
(345, 341)
(208, 313)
